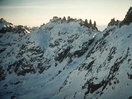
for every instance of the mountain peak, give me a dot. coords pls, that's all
(128, 18)
(2, 20)
(9, 27)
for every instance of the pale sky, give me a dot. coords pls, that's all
(37, 12)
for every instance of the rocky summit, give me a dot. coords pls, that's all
(66, 59)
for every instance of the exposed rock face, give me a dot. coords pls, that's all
(128, 18)
(66, 59)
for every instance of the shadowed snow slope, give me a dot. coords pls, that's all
(66, 59)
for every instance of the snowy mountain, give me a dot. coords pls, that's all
(66, 59)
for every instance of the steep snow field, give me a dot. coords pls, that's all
(66, 59)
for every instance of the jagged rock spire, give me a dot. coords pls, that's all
(94, 24)
(113, 22)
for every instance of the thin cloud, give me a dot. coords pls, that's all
(13, 7)
(68, 6)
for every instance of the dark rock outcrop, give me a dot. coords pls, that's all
(128, 18)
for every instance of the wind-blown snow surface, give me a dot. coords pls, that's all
(66, 60)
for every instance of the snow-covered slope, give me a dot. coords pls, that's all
(67, 59)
